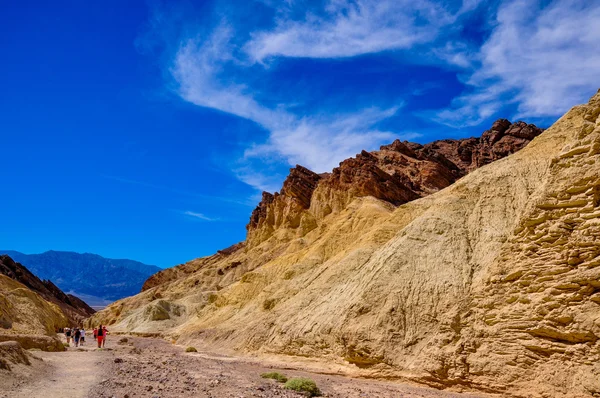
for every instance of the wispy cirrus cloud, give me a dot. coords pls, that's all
(197, 216)
(346, 28)
(538, 56)
(322, 141)
(543, 57)
(318, 142)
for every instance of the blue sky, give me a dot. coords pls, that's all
(148, 129)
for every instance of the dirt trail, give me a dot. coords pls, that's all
(145, 367)
(60, 374)
(72, 375)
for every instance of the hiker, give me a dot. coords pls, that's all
(82, 338)
(95, 333)
(100, 336)
(68, 335)
(77, 336)
(105, 332)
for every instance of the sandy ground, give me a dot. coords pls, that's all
(144, 367)
(62, 374)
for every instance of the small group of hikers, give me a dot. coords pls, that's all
(77, 335)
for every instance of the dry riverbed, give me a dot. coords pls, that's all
(145, 367)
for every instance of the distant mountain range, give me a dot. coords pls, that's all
(93, 278)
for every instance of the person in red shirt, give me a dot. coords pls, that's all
(105, 333)
(95, 333)
(100, 336)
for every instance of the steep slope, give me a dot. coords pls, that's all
(96, 278)
(23, 311)
(17, 279)
(397, 173)
(489, 283)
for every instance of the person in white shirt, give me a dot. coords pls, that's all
(82, 338)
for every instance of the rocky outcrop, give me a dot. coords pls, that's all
(232, 249)
(38, 342)
(74, 308)
(503, 139)
(398, 173)
(285, 209)
(11, 354)
(23, 311)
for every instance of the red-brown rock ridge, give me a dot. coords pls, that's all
(397, 173)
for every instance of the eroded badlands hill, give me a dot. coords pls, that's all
(29, 305)
(397, 173)
(490, 283)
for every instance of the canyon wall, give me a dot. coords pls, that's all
(476, 271)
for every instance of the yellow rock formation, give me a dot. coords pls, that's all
(22, 311)
(492, 283)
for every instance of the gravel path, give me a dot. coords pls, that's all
(153, 368)
(65, 374)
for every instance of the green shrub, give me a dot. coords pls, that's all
(275, 376)
(67, 345)
(191, 349)
(301, 384)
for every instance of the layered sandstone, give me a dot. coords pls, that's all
(489, 283)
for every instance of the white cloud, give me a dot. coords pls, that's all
(353, 27)
(197, 68)
(254, 177)
(321, 142)
(544, 60)
(316, 142)
(198, 216)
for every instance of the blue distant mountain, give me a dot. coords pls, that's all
(93, 278)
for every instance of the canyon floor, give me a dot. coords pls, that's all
(148, 367)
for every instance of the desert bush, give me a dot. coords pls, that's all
(288, 275)
(275, 376)
(303, 385)
(212, 298)
(191, 349)
(269, 304)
